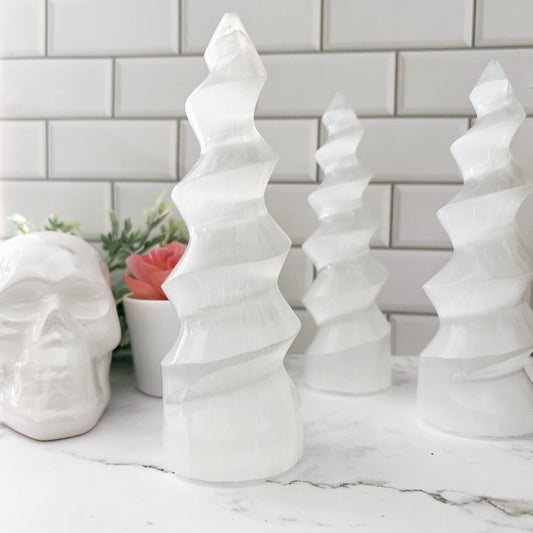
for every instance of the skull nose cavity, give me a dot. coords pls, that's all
(55, 325)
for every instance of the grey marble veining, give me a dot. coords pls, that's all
(369, 465)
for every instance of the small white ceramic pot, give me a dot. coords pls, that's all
(153, 330)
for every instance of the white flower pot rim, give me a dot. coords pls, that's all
(143, 301)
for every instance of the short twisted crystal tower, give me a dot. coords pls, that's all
(231, 411)
(472, 379)
(351, 349)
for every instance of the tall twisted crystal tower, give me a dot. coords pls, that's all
(351, 349)
(472, 379)
(231, 411)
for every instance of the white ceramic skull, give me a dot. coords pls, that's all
(58, 326)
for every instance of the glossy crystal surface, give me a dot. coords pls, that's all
(231, 411)
(350, 352)
(472, 378)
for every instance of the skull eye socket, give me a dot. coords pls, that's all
(77, 297)
(89, 309)
(18, 296)
(86, 300)
(19, 302)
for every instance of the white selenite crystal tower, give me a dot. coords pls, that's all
(472, 379)
(231, 411)
(351, 349)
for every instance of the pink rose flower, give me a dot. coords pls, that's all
(151, 270)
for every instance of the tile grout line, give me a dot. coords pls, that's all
(317, 169)
(172, 116)
(47, 149)
(180, 27)
(113, 85)
(178, 149)
(411, 249)
(352, 51)
(396, 73)
(412, 313)
(321, 38)
(474, 17)
(113, 206)
(391, 215)
(311, 184)
(46, 28)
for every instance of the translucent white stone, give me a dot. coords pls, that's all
(58, 326)
(350, 352)
(472, 378)
(231, 411)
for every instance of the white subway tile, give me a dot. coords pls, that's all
(411, 149)
(132, 198)
(156, 86)
(295, 142)
(411, 333)
(408, 271)
(53, 88)
(298, 84)
(377, 200)
(306, 334)
(22, 28)
(296, 277)
(440, 82)
(276, 25)
(141, 149)
(22, 149)
(112, 27)
(304, 84)
(360, 24)
(504, 23)
(288, 205)
(86, 202)
(415, 222)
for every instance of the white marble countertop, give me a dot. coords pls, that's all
(369, 466)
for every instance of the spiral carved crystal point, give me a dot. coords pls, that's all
(231, 411)
(472, 378)
(350, 352)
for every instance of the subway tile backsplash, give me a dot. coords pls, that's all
(411, 149)
(92, 115)
(303, 84)
(276, 25)
(22, 149)
(439, 82)
(156, 87)
(22, 28)
(113, 149)
(112, 27)
(352, 24)
(504, 23)
(411, 333)
(415, 223)
(85, 201)
(54, 88)
(408, 271)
